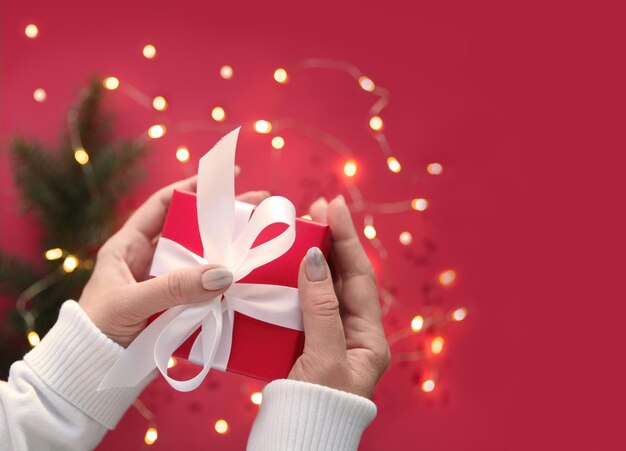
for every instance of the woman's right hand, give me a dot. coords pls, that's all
(345, 346)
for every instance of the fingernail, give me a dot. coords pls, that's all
(341, 198)
(265, 193)
(315, 265)
(322, 198)
(216, 279)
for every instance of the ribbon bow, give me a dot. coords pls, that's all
(227, 232)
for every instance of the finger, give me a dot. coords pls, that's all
(253, 197)
(359, 293)
(183, 286)
(323, 330)
(318, 210)
(150, 216)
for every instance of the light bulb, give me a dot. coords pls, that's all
(256, 398)
(226, 72)
(309, 217)
(171, 363)
(182, 154)
(428, 385)
(350, 168)
(376, 123)
(81, 156)
(436, 346)
(366, 84)
(33, 338)
(151, 436)
(149, 51)
(218, 114)
(394, 165)
(111, 83)
(434, 168)
(419, 204)
(370, 232)
(54, 254)
(159, 103)
(262, 126)
(405, 238)
(278, 142)
(221, 426)
(417, 323)
(447, 277)
(459, 314)
(70, 263)
(39, 95)
(31, 31)
(280, 75)
(156, 131)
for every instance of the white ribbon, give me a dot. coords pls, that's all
(228, 233)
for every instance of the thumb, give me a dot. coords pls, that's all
(182, 286)
(323, 330)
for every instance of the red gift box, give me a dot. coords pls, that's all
(259, 349)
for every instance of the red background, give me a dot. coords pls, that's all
(510, 99)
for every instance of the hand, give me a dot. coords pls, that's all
(345, 346)
(115, 298)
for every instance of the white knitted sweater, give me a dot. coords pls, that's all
(50, 401)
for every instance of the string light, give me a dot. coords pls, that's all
(81, 156)
(263, 126)
(151, 436)
(182, 154)
(434, 168)
(459, 314)
(256, 398)
(405, 238)
(376, 123)
(417, 323)
(149, 51)
(436, 345)
(350, 168)
(366, 84)
(221, 426)
(159, 103)
(31, 31)
(447, 277)
(111, 83)
(39, 95)
(33, 338)
(54, 254)
(218, 114)
(394, 165)
(419, 204)
(280, 75)
(171, 363)
(156, 131)
(278, 142)
(70, 263)
(428, 385)
(226, 72)
(369, 231)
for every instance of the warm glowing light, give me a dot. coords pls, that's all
(436, 346)
(263, 126)
(459, 314)
(149, 51)
(218, 114)
(394, 165)
(182, 154)
(111, 83)
(419, 204)
(171, 363)
(428, 385)
(81, 156)
(366, 84)
(156, 131)
(278, 142)
(406, 238)
(31, 30)
(159, 103)
(226, 72)
(447, 277)
(221, 426)
(350, 168)
(370, 232)
(151, 436)
(256, 398)
(309, 217)
(54, 254)
(417, 323)
(39, 95)
(376, 123)
(70, 263)
(434, 169)
(280, 75)
(33, 338)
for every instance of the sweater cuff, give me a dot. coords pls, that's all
(298, 415)
(74, 357)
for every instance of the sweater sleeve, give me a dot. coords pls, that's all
(302, 416)
(50, 401)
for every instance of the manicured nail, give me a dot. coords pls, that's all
(265, 193)
(315, 265)
(341, 198)
(216, 279)
(322, 198)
